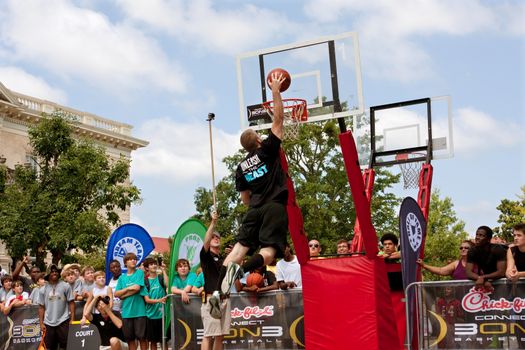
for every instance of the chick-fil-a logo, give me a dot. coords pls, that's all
(252, 311)
(477, 300)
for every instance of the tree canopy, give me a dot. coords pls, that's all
(512, 212)
(68, 200)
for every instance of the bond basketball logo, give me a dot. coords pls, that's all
(189, 248)
(128, 245)
(414, 230)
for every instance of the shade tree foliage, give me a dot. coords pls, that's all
(70, 199)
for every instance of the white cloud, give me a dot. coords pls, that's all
(18, 80)
(388, 30)
(74, 42)
(476, 131)
(181, 152)
(199, 24)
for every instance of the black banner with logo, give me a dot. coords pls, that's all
(454, 315)
(272, 320)
(20, 329)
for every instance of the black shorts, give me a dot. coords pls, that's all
(57, 335)
(134, 328)
(154, 330)
(265, 226)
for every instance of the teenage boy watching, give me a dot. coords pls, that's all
(131, 291)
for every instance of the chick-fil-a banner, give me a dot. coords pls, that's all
(456, 315)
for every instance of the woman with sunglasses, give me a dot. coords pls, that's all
(456, 269)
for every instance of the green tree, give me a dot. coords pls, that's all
(69, 200)
(317, 169)
(511, 213)
(444, 233)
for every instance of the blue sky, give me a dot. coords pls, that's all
(162, 66)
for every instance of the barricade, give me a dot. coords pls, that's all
(454, 315)
(21, 328)
(270, 320)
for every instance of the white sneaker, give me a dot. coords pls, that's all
(233, 272)
(215, 305)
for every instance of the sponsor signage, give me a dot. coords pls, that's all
(457, 316)
(128, 238)
(272, 320)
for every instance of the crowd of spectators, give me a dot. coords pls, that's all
(127, 309)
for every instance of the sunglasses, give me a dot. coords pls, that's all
(313, 245)
(464, 248)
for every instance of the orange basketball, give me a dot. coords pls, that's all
(255, 279)
(287, 79)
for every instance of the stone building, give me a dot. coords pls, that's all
(18, 112)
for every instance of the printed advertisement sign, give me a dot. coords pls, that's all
(457, 316)
(272, 320)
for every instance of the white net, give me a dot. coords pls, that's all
(410, 172)
(294, 112)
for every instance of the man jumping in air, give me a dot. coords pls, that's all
(261, 182)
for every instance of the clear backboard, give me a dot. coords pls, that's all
(398, 132)
(326, 72)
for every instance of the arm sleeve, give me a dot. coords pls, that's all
(502, 253)
(279, 276)
(470, 256)
(69, 293)
(119, 285)
(240, 182)
(191, 279)
(270, 276)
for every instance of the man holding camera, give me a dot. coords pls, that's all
(107, 321)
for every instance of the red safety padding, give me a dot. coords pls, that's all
(347, 305)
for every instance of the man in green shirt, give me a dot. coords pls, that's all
(131, 290)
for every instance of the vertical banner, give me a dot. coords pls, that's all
(128, 238)
(412, 228)
(187, 244)
(271, 320)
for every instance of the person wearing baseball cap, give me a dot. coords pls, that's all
(57, 309)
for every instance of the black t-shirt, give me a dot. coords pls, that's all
(519, 259)
(107, 328)
(487, 262)
(211, 268)
(262, 174)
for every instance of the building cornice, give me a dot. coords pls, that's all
(26, 110)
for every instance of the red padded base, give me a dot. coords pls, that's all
(348, 305)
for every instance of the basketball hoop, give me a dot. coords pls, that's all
(295, 112)
(410, 170)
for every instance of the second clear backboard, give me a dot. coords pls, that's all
(326, 72)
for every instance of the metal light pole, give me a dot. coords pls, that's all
(211, 116)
